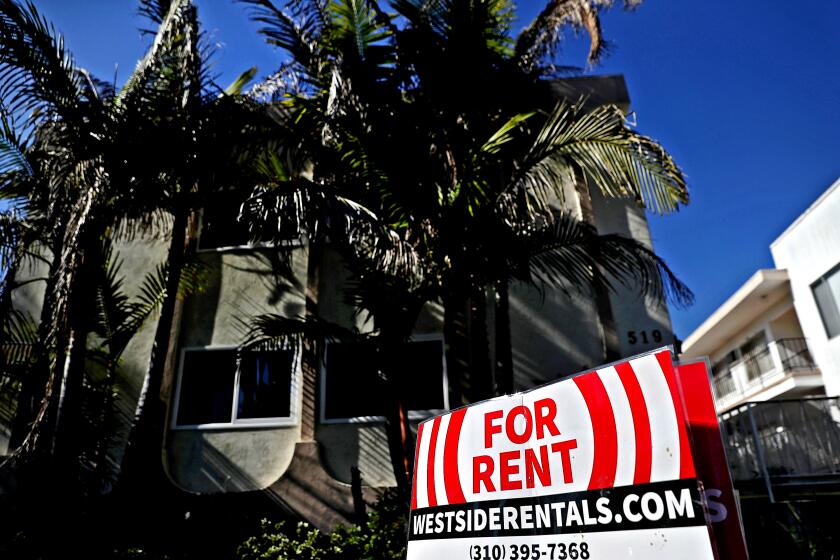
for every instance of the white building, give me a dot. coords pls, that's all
(777, 335)
(810, 251)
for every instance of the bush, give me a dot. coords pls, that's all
(382, 537)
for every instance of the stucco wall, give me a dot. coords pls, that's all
(138, 257)
(344, 444)
(639, 321)
(240, 286)
(808, 249)
(776, 314)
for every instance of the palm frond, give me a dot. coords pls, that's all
(538, 42)
(599, 144)
(11, 248)
(155, 11)
(296, 31)
(272, 331)
(241, 81)
(152, 294)
(176, 47)
(113, 308)
(291, 209)
(20, 339)
(566, 252)
(38, 77)
(356, 28)
(12, 151)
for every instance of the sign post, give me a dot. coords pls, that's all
(596, 466)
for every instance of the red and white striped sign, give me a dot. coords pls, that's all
(563, 449)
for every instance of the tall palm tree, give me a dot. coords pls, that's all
(435, 124)
(201, 136)
(102, 162)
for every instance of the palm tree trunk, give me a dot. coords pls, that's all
(397, 329)
(504, 353)
(479, 346)
(398, 432)
(467, 346)
(34, 386)
(20, 420)
(457, 355)
(71, 370)
(142, 465)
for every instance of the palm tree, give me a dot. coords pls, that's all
(101, 163)
(435, 125)
(201, 137)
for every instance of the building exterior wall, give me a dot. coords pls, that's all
(236, 458)
(758, 324)
(554, 333)
(138, 257)
(641, 323)
(808, 249)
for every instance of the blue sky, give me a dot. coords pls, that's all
(744, 94)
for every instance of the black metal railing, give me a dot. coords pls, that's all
(724, 385)
(794, 354)
(760, 366)
(759, 362)
(783, 440)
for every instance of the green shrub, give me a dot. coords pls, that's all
(382, 537)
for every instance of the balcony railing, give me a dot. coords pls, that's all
(762, 368)
(784, 441)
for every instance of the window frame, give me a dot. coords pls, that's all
(413, 415)
(286, 243)
(239, 423)
(823, 279)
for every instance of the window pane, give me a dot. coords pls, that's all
(206, 394)
(265, 384)
(827, 296)
(754, 345)
(352, 385)
(424, 375)
(353, 388)
(219, 224)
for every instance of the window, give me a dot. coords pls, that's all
(723, 366)
(221, 229)
(352, 391)
(224, 387)
(827, 295)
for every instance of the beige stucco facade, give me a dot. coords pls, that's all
(305, 461)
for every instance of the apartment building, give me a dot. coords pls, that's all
(777, 337)
(248, 421)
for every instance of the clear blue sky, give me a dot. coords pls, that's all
(745, 95)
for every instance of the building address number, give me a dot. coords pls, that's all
(633, 337)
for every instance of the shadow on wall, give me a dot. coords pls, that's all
(362, 445)
(304, 490)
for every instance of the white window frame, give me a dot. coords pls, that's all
(240, 423)
(246, 247)
(412, 414)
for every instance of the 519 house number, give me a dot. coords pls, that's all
(634, 337)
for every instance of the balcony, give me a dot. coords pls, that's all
(778, 445)
(783, 366)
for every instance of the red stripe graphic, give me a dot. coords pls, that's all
(430, 463)
(416, 460)
(451, 478)
(686, 462)
(603, 430)
(641, 422)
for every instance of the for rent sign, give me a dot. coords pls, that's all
(595, 466)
